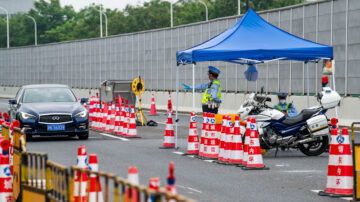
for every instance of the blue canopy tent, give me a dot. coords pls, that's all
(252, 40)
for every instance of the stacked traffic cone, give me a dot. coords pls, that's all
(6, 182)
(212, 140)
(171, 187)
(170, 109)
(222, 139)
(236, 155)
(95, 193)
(340, 169)
(122, 113)
(255, 160)
(104, 116)
(91, 108)
(169, 138)
(206, 134)
(81, 162)
(202, 136)
(117, 119)
(153, 106)
(108, 119)
(126, 119)
(132, 132)
(193, 139)
(112, 118)
(133, 178)
(246, 142)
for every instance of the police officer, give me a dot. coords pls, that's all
(212, 96)
(287, 108)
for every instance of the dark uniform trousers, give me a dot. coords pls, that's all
(205, 108)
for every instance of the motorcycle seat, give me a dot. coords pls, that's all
(302, 116)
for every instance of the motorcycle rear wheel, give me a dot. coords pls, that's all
(315, 148)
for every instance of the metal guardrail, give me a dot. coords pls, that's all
(36, 178)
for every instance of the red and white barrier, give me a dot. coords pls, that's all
(6, 182)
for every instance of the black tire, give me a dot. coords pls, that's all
(315, 148)
(83, 136)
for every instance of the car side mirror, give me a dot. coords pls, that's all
(84, 100)
(12, 102)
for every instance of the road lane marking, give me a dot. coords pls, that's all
(210, 161)
(189, 188)
(180, 153)
(120, 138)
(302, 171)
(282, 165)
(163, 123)
(343, 198)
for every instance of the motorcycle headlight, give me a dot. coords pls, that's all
(27, 116)
(81, 114)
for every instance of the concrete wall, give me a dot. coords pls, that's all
(151, 54)
(348, 110)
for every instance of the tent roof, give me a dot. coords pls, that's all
(252, 38)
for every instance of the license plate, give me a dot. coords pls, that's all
(55, 127)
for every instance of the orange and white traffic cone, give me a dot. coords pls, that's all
(104, 116)
(6, 188)
(170, 109)
(126, 120)
(95, 193)
(112, 118)
(228, 140)
(154, 185)
(117, 119)
(169, 138)
(153, 106)
(81, 162)
(122, 113)
(91, 108)
(212, 144)
(222, 139)
(340, 168)
(206, 136)
(246, 141)
(171, 187)
(133, 178)
(255, 161)
(202, 136)
(108, 119)
(193, 139)
(236, 155)
(132, 132)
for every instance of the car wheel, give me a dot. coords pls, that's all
(83, 136)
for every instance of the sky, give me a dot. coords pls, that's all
(112, 4)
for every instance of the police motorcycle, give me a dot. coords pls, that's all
(308, 131)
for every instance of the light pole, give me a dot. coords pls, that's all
(239, 11)
(35, 27)
(206, 8)
(171, 12)
(106, 23)
(7, 26)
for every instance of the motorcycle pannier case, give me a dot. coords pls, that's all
(318, 125)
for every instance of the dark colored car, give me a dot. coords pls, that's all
(50, 109)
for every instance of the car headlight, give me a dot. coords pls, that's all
(81, 114)
(27, 116)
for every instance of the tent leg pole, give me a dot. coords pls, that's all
(193, 89)
(307, 84)
(177, 105)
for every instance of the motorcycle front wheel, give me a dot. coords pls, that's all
(316, 147)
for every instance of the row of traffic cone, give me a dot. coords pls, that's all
(224, 142)
(115, 118)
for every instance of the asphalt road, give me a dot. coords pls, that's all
(292, 175)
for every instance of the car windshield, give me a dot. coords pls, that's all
(37, 95)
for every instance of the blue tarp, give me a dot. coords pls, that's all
(252, 38)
